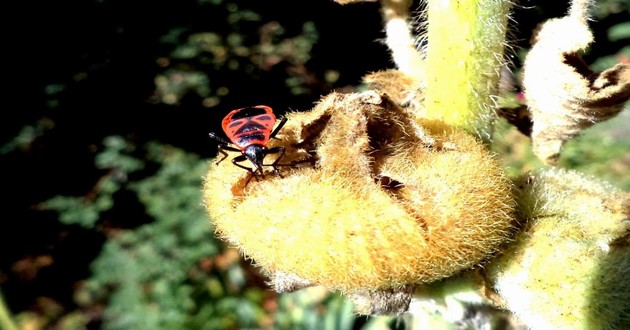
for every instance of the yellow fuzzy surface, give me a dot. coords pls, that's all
(330, 223)
(570, 266)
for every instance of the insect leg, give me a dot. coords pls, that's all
(274, 165)
(278, 128)
(223, 153)
(236, 160)
(222, 146)
(221, 150)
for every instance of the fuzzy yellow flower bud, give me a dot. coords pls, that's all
(364, 203)
(569, 267)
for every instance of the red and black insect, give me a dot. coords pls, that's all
(250, 129)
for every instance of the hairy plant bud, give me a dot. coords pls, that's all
(569, 267)
(363, 203)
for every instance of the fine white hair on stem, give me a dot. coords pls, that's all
(399, 37)
(419, 24)
(580, 9)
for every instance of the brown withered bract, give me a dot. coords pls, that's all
(565, 97)
(382, 302)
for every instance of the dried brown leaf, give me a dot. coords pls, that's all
(565, 97)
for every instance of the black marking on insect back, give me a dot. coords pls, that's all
(264, 117)
(243, 141)
(251, 126)
(248, 112)
(235, 123)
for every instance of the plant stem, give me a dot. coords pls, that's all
(6, 322)
(464, 57)
(400, 39)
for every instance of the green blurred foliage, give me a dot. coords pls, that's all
(602, 151)
(173, 273)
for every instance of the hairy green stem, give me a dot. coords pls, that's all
(464, 57)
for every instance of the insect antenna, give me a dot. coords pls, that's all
(218, 138)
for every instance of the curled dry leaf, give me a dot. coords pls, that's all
(283, 282)
(565, 97)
